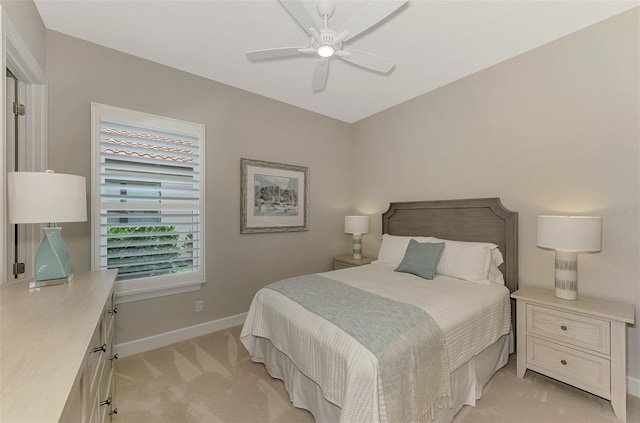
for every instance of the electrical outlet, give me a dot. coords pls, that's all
(198, 306)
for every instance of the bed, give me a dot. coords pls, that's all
(363, 360)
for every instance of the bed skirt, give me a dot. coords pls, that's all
(467, 380)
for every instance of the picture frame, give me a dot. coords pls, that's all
(274, 197)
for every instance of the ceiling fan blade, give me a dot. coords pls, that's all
(299, 12)
(366, 60)
(320, 75)
(371, 14)
(273, 53)
(340, 38)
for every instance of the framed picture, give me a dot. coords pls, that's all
(274, 197)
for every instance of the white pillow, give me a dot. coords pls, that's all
(393, 247)
(494, 274)
(465, 260)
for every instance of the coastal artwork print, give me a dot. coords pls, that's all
(274, 197)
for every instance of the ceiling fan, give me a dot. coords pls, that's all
(326, 43)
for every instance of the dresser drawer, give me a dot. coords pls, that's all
(105, 393)
(586, 371)
(110, 311)
(94, 356)
(73, 408)
(574, 329)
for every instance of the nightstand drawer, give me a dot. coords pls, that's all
(574, 329)
(577, 368)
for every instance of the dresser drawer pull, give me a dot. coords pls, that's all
(101, 348)
(105, 402)
(113, 412)
(113, 311)
(114, 357)
(564, 362)
(563, 327)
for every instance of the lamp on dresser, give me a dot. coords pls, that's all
(48, 197)
(356, 225)
(569, 235)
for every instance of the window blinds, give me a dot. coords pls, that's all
(150, 206)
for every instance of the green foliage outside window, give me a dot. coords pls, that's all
(155, 250)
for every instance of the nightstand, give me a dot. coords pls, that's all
(579, 342)
(342, 262)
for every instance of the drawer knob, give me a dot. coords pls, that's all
(564, 362)
(113, 310)
(101, 348)
(115, 411)
(105, 402)
(563, 327)
(114, 357)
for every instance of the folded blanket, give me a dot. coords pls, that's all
(408, 344)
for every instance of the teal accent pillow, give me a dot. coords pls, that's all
(421, 258)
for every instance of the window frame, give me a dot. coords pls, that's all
(154, 286)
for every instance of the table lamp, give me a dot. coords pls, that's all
(569, 235)
(47, 197)
(356, 225)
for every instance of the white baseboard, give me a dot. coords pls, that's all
(633, 386)
(163, 339)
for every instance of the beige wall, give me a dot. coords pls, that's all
(238, 124)
(25, 17)
(555, 130)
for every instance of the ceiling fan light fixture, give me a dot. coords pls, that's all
(325, 50)
(326, 43)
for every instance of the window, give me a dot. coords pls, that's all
(148, 202)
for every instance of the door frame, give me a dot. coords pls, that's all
(16, 56)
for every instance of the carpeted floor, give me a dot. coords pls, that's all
(211, 379)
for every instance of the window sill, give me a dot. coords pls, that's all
(127, 294)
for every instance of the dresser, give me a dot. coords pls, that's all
(342, 262)
(56, 352)
(582, 342)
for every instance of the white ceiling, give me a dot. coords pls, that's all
(432, 42)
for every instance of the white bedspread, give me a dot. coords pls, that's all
(472, 315)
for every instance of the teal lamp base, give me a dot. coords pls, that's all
(52, 264)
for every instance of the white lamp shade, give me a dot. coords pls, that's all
(356, 224)
(570, 233)
(43, 197)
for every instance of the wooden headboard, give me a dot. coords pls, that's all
(479, 219)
